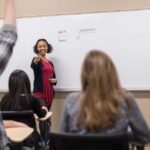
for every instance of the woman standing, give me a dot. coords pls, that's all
(44, 73)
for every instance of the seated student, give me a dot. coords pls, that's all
(19, 97)
(102, 107)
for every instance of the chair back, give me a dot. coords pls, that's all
(26, 117)
(63, 141)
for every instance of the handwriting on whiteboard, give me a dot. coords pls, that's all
(63, 34)
(84, 31)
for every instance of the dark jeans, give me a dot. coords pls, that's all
(45, 129)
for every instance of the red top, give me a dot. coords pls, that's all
(47, 93)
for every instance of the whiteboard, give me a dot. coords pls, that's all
(125, 36)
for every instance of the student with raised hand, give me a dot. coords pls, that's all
(8, 34)
(8, 37)
(102, 107)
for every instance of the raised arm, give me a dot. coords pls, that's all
(8, 34)
(10, 12)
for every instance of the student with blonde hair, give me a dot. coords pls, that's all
(102, 106)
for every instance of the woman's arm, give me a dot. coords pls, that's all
(53, 80)
(8, 34)
(141, 131)
(64, 124)
(39, 109)
(10, 12)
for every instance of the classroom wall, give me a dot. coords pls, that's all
(28, 8)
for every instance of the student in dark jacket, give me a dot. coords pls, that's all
(19, 96)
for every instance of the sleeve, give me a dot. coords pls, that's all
(37, 107)
(3, 139)
(33, 65)
(54, 75)
(140, 129)
(64, 124)
(8, 37)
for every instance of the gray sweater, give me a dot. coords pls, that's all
(8, 37)
(133, 120)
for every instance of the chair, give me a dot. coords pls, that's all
(63, 141)
(46, 122)
(26, 117)
(18, 134)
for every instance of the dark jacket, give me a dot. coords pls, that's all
(37, 70)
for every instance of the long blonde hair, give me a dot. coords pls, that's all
(101, 92)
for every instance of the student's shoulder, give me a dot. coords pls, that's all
(72, 98)
(51, 62)
(128, 100)
(33, 99)
(74, 95)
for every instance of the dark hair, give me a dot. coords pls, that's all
(18, 84)
(49, 50)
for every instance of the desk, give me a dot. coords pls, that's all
(44, 125)
(47, 116)
(18, 134)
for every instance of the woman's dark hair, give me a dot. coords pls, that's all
(49, 50)
(18, 84)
